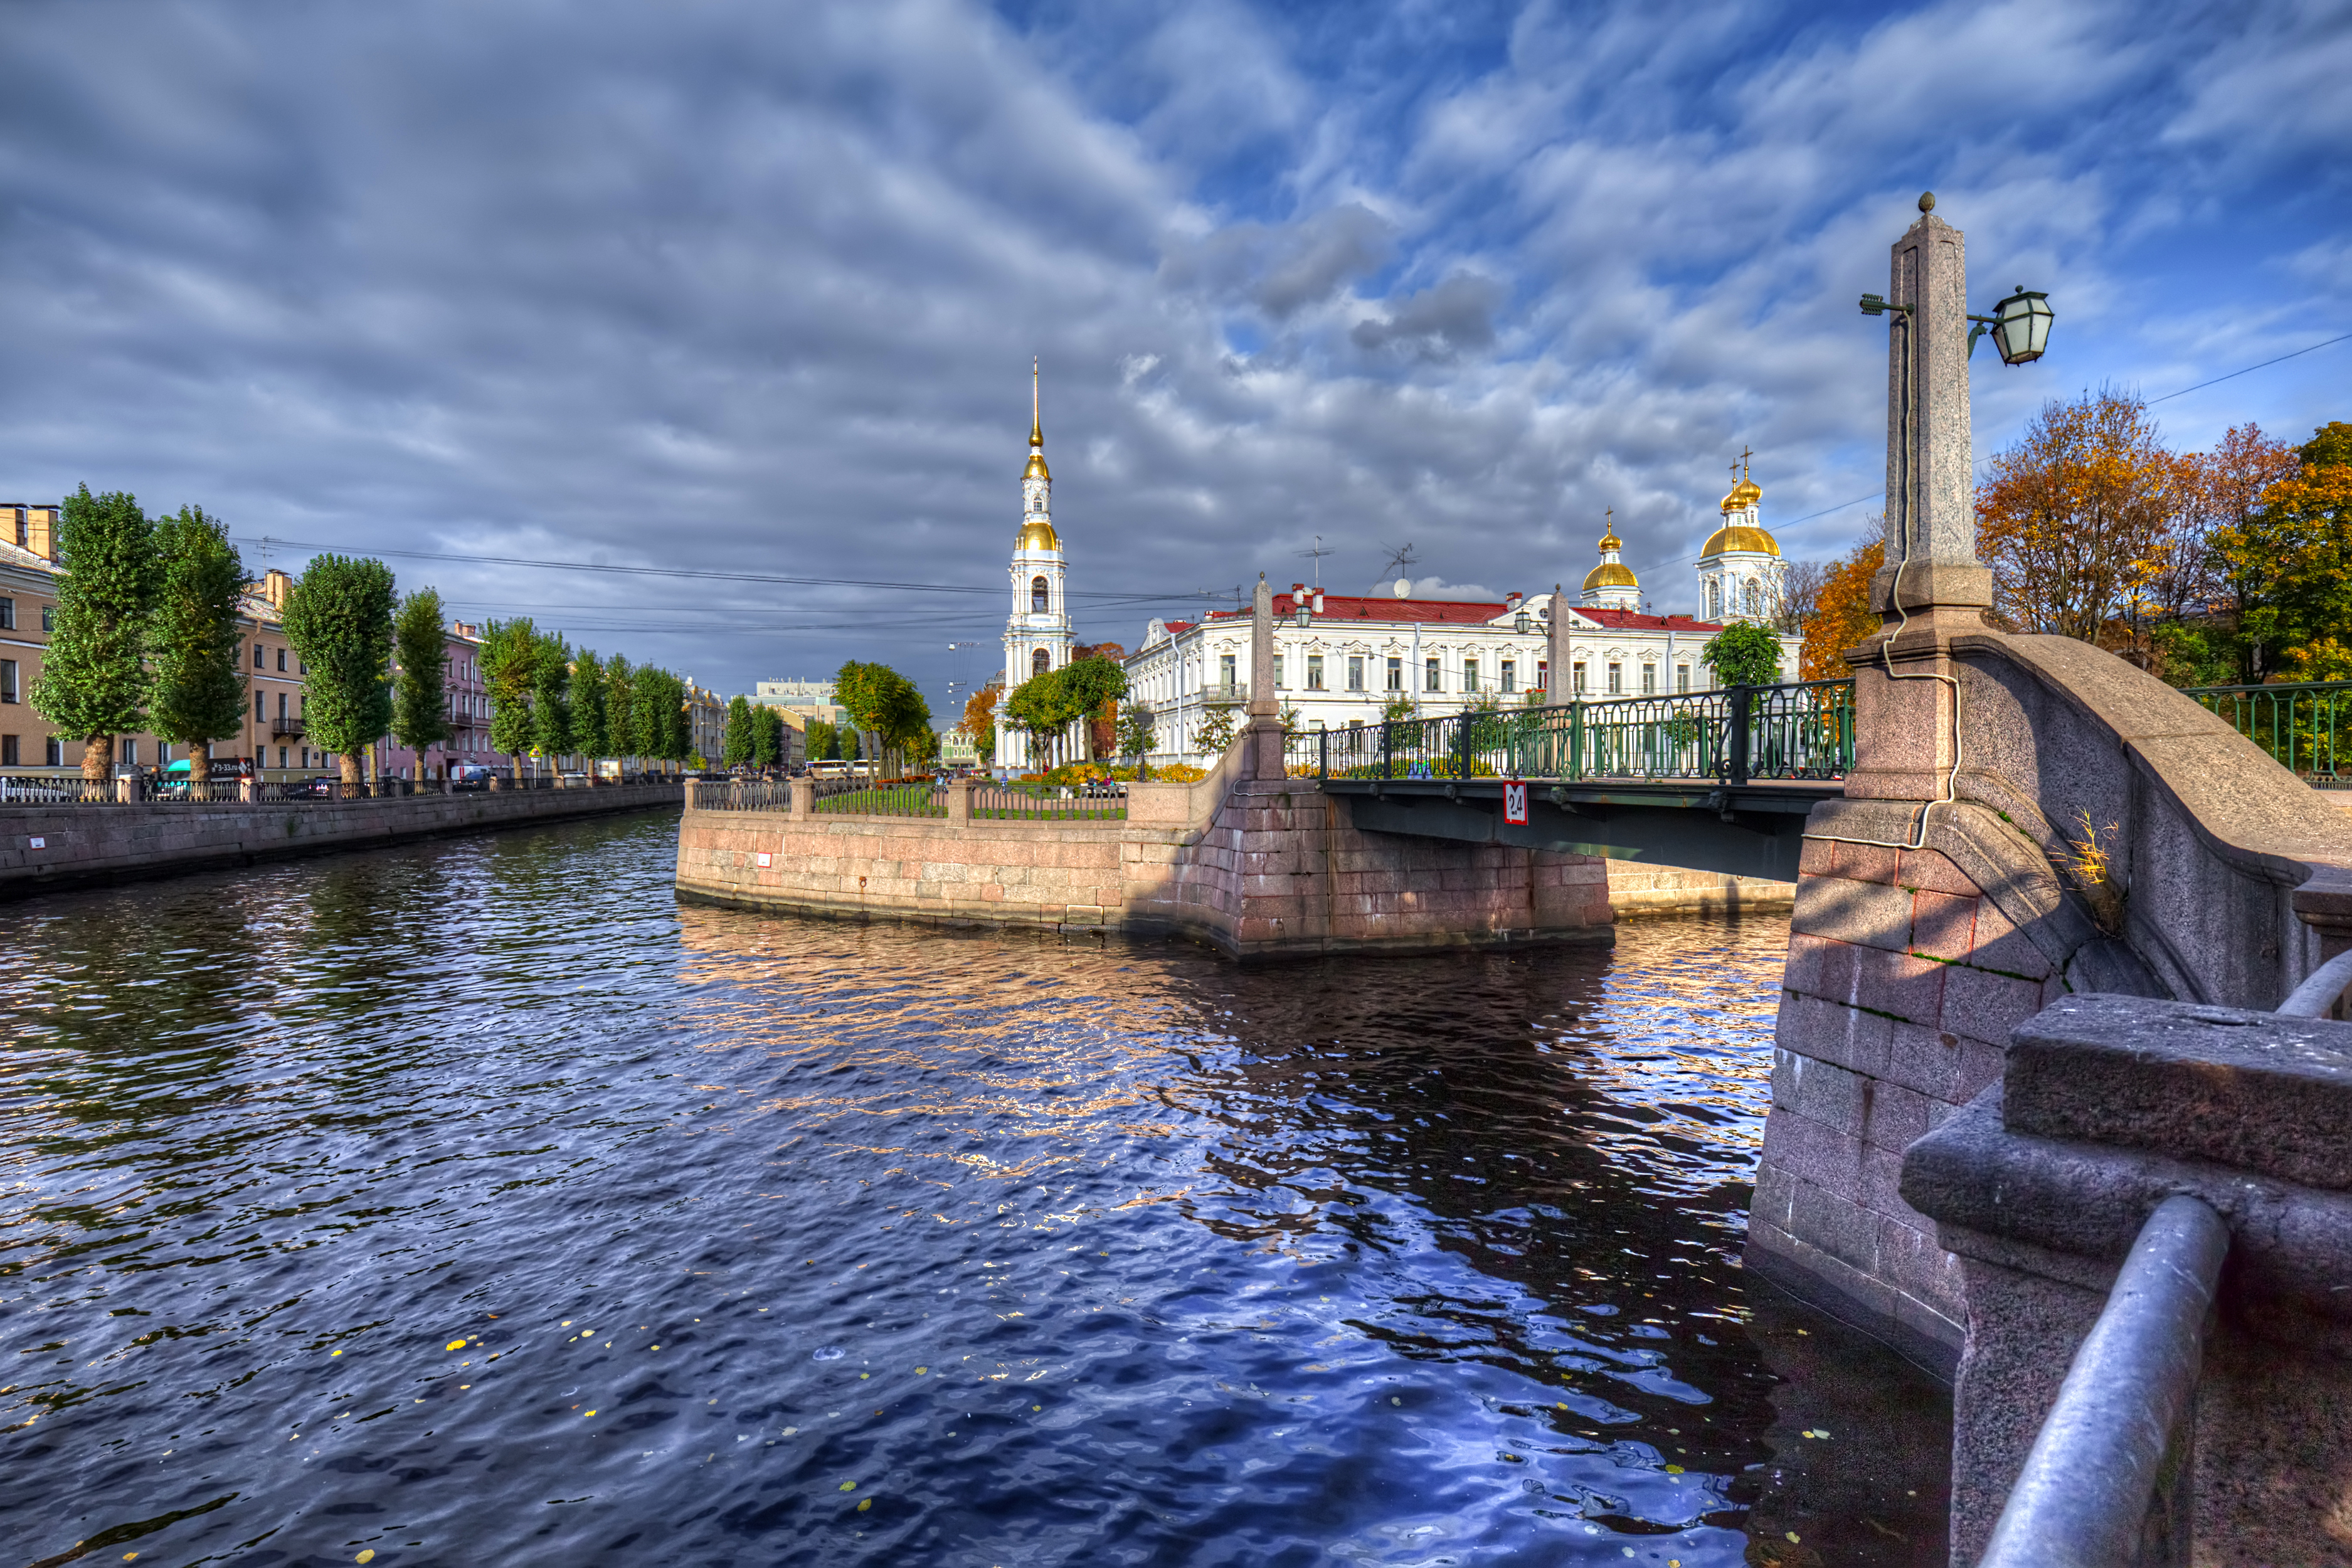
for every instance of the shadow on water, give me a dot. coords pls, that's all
(474, 1201)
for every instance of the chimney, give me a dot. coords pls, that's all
(1318, 604)
(41, 531)
(1511, 601)
(275, 585)
(1298, 592)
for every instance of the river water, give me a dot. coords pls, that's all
(476, 1203)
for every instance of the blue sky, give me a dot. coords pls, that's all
(753, 289)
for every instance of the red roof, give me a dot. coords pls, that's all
(1634, 620)
(1349, 607)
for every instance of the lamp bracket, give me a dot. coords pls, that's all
(1873, 305)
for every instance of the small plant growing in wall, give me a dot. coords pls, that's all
(2089, 864)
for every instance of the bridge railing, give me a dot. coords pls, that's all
(1803, 729)
(2306, 726)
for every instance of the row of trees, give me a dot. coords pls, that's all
(550, 700)
(755, 737)
(1045, 707)
(148, 636)
(2206, 568)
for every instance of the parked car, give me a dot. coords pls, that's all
(323, 787)
(468, 776)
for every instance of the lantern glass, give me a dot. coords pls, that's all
(1303, 614)
(1519, 622)
(2021, 326)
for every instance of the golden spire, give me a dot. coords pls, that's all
(1036, 468)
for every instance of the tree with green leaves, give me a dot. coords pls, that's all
(819, 739)
(420, 652)
(1139, 730)
(1745, 654)
(93, 679)
(592, 716)
(735, 746)
(509, 661)
(882, 702)
(338, 618)
(1217, 730)
(551, 700)
(620, 709)
(196, 671)
(767, 738)
(1090, 687)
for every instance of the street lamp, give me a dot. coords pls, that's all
(1519, 622)
(1305, 612)
(2020, 326)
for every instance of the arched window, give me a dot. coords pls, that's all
(1040, 659)
(1755, 598)
(1037, 596)
(1714, 600)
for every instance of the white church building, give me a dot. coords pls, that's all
(1343, 659)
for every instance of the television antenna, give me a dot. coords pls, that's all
(1316, 555)
(1398, 561)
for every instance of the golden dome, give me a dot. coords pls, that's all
(1036, 468)
(1740, 536)
(1743, 495)
(1609, 540)
(1038, 533)
(1610, 574)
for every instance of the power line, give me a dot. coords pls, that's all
(2219, 379)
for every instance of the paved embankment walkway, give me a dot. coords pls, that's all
(48, 848)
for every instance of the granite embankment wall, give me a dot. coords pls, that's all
(1638, 888)
(1257, 867)
(45, 848)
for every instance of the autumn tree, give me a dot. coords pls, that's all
(338, 618)
(2300, 540)
(1841, 618)
(2077, 516)
(420, 708)
(980, 716)
(93, 684)
(198, 681)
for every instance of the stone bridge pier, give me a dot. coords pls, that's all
(2033, 826)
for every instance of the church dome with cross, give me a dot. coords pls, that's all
(1740, 574)
(1612, 584)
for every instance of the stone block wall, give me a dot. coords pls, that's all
(84, 845)
(1637, 888)
(1271, 868)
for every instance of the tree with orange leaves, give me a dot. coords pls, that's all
(2079, 516)
(1842, 617)
(979, 724)
(2290, 561)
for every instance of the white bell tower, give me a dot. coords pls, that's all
(1740, 575)
(1037, 635)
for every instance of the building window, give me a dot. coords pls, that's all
(1543, 674)
(1396, 675)
(1616, 679)
(1681, 678)
(53, 752)
(260, 656)
(49, 617)
(1649, 679)
(1510, 675)
(1714, 600)
(282, 756)
(7, 614)
(1278, 684)
(1038, 662)
(8, 758)
(1355, 672)
(1227, 678)
(260, 706)
(1314, 672)
(281, 661)
(7, 680)
(1753, 597)
(1433, 676)
(131, 752)
(162, 752)
(1577, 670)
(1469, 675)
(1038, 595)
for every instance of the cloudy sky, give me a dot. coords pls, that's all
(751, 289)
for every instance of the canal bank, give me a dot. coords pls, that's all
(48, 848)
(715, 1224)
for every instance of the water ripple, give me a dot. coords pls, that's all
(475, 1202)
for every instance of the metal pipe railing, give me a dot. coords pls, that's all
(2081, 1500)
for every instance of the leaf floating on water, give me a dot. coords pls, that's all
(1673, 1469)
(367, 1556)
(921, 1370)
(849, 1486)
(865, 1504)
(457, 1344)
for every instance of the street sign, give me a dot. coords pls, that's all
(1514, 802)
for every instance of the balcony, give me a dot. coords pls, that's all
(283, 728)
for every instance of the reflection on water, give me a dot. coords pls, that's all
(475, 1202)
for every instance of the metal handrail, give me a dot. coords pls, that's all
(1802, 729)
(2306, 726)
(2081, 1500)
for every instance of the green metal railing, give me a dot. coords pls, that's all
(1741, 733)
(2305, 727)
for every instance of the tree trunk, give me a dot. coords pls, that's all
(96, 758)
(354, 771)
(200, 767)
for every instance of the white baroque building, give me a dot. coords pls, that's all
(1344, 660)
(1037, 635)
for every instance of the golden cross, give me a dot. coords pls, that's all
(1744, 455)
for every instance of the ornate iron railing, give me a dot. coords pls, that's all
(741, 794)
(1735, 735)
(867, 797)
(1101, 801)
(2307, 727)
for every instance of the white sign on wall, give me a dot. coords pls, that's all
(764, 858)
(1515, 802)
